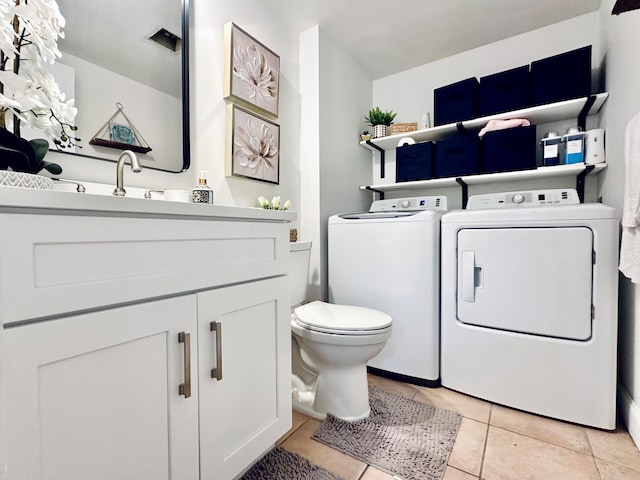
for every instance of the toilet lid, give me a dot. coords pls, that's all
(343, 319)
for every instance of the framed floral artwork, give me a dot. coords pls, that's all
(252, 72)
(253, 146)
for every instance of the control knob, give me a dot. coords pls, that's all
(518, 198)
(405, 204)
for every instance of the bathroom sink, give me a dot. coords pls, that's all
(99, 200)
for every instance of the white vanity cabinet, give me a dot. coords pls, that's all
(107, 316)
(247, 407)
(96, 395)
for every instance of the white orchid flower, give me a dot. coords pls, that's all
(42, 22)
(264, 203)
(287, 205)
(33, 96)
(275, 203)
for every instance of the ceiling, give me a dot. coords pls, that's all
(383, 37)
(114, 34)
(388, 37)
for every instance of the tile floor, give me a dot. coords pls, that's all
(493, 443)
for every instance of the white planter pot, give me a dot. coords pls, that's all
(9, 178)
(379, 131)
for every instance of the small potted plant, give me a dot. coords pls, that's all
(380, 122)
(364, 136)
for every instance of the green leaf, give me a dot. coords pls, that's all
(52, 168)
(378, 117)
(40, 148)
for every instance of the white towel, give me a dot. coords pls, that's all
(630, 247)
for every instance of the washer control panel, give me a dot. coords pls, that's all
(409, 204)
(526, 198)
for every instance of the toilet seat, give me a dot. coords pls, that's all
(341, 319)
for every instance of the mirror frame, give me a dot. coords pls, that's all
(186, 130)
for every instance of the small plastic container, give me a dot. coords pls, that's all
(551, 149)
(574, 145)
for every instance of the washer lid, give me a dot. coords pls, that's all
(330, 318)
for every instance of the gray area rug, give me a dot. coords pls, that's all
(401, 436)
(280, 464)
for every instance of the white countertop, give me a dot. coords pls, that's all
(53, 202)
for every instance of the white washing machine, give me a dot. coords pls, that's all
(529, 304)
(388, 259)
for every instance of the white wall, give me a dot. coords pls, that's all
(208, 106)
(336, 96)
(621, 43)
(410, 93)
(156, 115)
(615, 43)
(208, 113)
(310, 217)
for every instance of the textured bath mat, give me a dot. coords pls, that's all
(401, 436)
(280, 464)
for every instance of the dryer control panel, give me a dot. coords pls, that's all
(407, 204)
(525, 198)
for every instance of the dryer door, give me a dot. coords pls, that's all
(528, 280)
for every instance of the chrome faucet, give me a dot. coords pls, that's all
(79, 187)
(135, 167)
(148, 193)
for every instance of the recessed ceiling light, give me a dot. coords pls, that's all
(167, 39)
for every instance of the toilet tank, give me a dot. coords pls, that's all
(299, 271)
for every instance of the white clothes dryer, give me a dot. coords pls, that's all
(529, 304)
(388, 259)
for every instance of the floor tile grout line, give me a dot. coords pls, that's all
(600, 473)
(486, 442)
(291, 431)
(611, 461)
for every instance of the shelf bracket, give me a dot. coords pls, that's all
(379, 192)
(465, 191)
(582, 116)
(580, 181)
(381, 150)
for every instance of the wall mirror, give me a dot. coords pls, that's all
(126, 64)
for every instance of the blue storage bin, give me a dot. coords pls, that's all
(457, 156)
(509, 150)
(414, 162)
(505, 91)
(456, 102)
(561, 77)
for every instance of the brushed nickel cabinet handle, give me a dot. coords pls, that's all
(216, 372)
(185, 388)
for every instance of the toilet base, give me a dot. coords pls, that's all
(305, 406)
(307, 409)
(344, 394)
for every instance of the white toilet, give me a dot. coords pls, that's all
(331, 345)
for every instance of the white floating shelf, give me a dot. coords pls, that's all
(540, 172)
(536, 115)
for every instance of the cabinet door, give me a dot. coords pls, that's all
(96, 396)
(245, 410)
